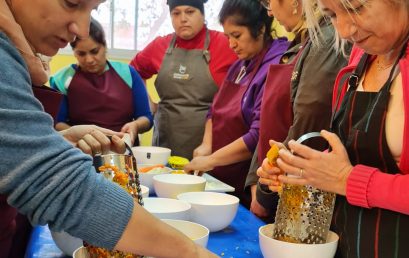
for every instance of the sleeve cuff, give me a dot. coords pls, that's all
(357, 185)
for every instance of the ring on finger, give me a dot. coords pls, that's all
(301, 172)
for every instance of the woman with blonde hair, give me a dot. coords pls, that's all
(368, 164)
(297, 95)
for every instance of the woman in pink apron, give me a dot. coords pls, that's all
(104, 93)
(231, 132)
(297, 96)
(368, 164)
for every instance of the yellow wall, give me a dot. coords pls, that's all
(63, 60)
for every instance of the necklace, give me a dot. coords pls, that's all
(381, 66)
(241, 74)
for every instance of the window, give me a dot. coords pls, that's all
(131, 24)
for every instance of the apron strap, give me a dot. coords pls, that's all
(206, 52)
(299, 61)
(171, 45)
(255, 69)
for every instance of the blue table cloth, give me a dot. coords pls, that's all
(239, 240)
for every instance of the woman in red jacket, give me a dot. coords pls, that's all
(368, 164)
(191, 64)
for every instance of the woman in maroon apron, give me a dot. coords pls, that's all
(234, 120)
(368, 165)
(97, 91)
(297, 95)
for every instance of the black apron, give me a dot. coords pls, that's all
(360, 123)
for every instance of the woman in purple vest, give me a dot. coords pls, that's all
(232, 128)
(101, 92)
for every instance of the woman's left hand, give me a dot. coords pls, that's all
(324, 170)
(132, 129)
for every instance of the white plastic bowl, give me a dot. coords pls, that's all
(147, 178)
(80, 253)
(198, 233)
(272, 248)
(67, 243)
(151, 155)
(170, 185)
(166, 208)
(213, 210)
(145, 191)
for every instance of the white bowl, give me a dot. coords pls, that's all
(166, 208)
(272, 248)
(151, 155)
(198, 233)
(170, 185)
(80, 253)
(145, 191)
(67, 243)
(147, 177)
(213, 210)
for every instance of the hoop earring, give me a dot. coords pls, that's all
(295, 5)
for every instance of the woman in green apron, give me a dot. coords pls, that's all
(368, 164)
(191, 65)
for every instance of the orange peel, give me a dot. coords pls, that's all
(272, 155)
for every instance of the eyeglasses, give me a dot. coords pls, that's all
(265, 4)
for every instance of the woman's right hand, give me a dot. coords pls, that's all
(268, 173)
(92, 139)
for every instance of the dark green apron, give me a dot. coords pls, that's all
(186, 89)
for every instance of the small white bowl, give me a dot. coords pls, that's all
(147, 177)
(166, 208)
(80, 253)
(145, 191)
(272, 248)
(67, 243)
(198, 233)
(170, 185)
(151, 155)
(213, 210)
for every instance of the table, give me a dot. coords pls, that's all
(239, 240)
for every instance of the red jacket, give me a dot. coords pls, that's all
(149, 60)
(367, 186)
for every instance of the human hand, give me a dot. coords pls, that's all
(327, 171)
(204, 253)
(202, 150)
(255, 207)
(131, 128)
(268, 173)
(92, 139)
(200, 163)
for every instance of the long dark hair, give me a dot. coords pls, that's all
(96, 32)
(248, 13)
